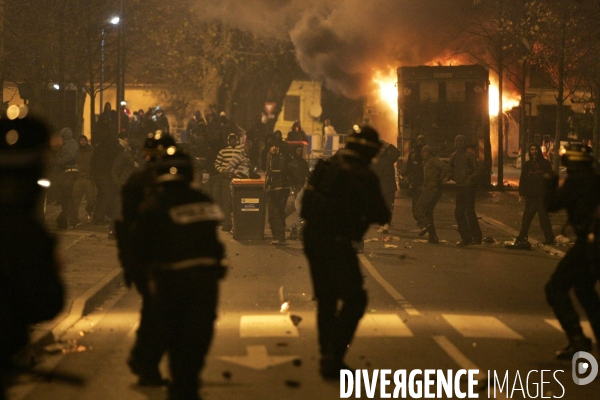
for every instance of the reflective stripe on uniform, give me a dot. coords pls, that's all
(195, 212)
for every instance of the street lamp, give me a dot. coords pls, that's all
(120, 72)
(113, 21)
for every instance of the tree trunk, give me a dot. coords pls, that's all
(522, 118)
(559, 98)
(500, 184)
(596, 130)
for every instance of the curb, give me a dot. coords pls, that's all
(80, 307)
(515, 233)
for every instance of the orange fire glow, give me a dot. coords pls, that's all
(509, 100)
(387, 84)
(387, 93)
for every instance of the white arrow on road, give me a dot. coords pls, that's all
(258, 358)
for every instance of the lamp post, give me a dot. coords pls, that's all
(113, 21)
(120, 71)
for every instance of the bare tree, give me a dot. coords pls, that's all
(560, 48)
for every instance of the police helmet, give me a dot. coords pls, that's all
(576, 155)
(174, 165)
(365, 140)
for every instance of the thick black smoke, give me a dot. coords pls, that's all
(343, 42)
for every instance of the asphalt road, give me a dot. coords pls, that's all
(430, 307)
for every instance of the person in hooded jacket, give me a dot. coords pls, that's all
(67, 164)
(103, 159)
(296, 134)
(462, 169)
(257, 134)
(277, 186)
(341, 199)
(434, 172)
(161, 120)
(531, 187)
(84, 185)
(107, 124)
(413, 170)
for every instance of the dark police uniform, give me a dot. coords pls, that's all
(342, 198)
(177, 237)
(31, 290)
(150, 342)
(580, 195)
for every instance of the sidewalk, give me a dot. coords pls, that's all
(91, 270)
(89, 275)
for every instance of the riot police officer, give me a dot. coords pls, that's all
(176, 235)
(31, 290)
(342, 198)
(150, 344)
(580, 195)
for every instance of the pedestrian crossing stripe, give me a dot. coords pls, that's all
(377, 325)
(382, 325)
(267, 326)
(477, 326)
(585, 325)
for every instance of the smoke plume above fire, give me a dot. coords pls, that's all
(344, 43)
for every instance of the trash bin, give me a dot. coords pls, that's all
(249, 209)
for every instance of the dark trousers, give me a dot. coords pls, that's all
(222, 196)
(150, 343)
(574, 271)
(188, 299)
(535, 205)
(107, 201)
(276, 202)
(389, 198)
(338, 287)
(68, 213)
(425, 206)
(84, 187)
(466, 218)
(414, 194)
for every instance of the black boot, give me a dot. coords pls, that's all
(433, 239)
(576, 343)
(519, 244)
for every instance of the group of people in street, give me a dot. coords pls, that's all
(166, 229)
(98, 170)
(426, 174)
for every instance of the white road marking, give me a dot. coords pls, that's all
(454, 353)
(477, 326)
(382, 325)
(585, 325)
(75, 241)
(464, 362)
(267, 326)
(257, 358)
(405, 304)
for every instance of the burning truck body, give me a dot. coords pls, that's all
(440, 102)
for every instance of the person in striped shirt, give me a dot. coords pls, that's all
(239, 166)
(222, 187)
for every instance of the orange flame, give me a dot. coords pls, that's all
(387, 86)
(509, 100)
